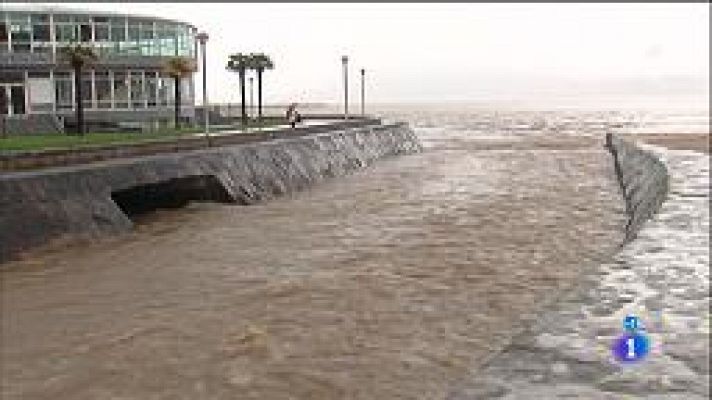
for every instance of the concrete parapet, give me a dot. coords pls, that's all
(81, 201)
(13, 161)
(644, 181)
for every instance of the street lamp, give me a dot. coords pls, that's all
(202, 39)
(363, 92)
(252, 102)
(345, 62)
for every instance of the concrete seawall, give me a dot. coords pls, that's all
(93, 200)
(27, 160)
(644, 181)
(562, 349)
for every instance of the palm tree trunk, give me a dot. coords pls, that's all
(259, 94)
(176, 106)
(242, 98)
(79, 106)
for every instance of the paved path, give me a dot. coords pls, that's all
(305, 123)
(662, 276)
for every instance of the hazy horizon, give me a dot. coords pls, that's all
(561, 54)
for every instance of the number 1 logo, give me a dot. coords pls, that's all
(631, 347)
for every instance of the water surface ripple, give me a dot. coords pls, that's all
(389, 283)
(662, 277)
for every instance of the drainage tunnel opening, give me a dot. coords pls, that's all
(139, 200)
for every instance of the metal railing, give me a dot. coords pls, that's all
(231, 113)
(234, 110)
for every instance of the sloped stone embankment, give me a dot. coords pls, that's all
(93, 200)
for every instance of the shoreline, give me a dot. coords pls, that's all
(418, 282)
(386, 283)
(662, 276)
(675, 141)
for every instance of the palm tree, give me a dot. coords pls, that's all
(78, 56)
(240, 63)
(260, 63)
(178, 68)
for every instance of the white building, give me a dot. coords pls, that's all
(125, 86)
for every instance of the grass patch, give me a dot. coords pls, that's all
(71, 140)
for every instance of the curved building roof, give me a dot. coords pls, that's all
(42, 9)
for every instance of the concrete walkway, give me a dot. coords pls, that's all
(305, 123)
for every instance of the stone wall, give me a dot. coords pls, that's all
(76, 202)
(29, 124)
(644, 181)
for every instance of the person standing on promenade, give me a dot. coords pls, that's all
(292, 115)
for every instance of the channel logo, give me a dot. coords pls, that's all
(633, 344)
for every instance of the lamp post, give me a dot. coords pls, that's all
(252, 102)
(345, 63)
(202, 39)
(363, 92)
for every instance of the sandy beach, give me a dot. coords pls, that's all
(678, 141)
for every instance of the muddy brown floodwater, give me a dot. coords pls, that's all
(390, 283)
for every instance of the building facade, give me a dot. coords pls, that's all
(124, 87)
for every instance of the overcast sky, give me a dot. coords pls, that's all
(454, 52)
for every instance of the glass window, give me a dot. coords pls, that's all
(137, 97)
(40, 33)
(12, 77)
(147, 30)
(85, 32)
(118, 32)
(59, 18)
(128, 48)
(115, 47)
(151, 88)
(121, 90)
(63, 90)
(146, 41)
(103, 48)
(40, 18)
(103, 89)
(191, 43)
(156, 46)
(134, 32)
(132, 45)
(21, 47)
(3, 32)
(42, 48)
(101, 33)
(19, 19)
(186, 94)
(166, 41)
(101, 19)
(20, 32)
(65, 33)
(165, 90)
(181, 42)
(87, 90)
(37, 74)
(185, 44)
